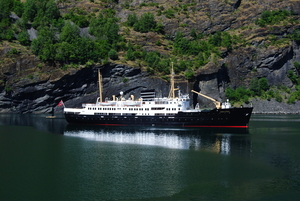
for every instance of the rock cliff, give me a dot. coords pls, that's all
(29, 85)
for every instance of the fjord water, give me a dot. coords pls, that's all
(47, 159)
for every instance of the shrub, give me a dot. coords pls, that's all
(145, 23)
(113, 54)
(292, 76)
(169, 13)
(189, 74)
(23, 38)
(297, 65)
(240, 94)
(272, 17)
(263, 84)
(131, 19)
(130, 55)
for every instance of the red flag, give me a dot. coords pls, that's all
(61, 103)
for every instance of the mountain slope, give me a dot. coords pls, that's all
(253, 51)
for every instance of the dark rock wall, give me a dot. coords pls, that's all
(80, 86)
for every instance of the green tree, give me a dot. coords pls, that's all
(292, 76)
(254, 87)
(181, 44)
(65, 52)
(46, 38)
(6, 7)
(88, 50)
(152, 58)
(130, 55)
(189, 74)
(30, 10)
(79, 20)
(51, 10)
(70, 33)
(239, 94)
(105, 27)
(272, 17)
(18, 8)
(113, 54)
(159, 28)
(23, 38)
(131, 19)
(296, 36)
(216, 39)
(263, 84)
(145, 23)
(226, 40)
(297, 65)
(194, 34)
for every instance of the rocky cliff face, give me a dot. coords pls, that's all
(28, 85)
(74, 87)
(27, 88)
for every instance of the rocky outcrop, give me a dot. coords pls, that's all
(28, 85)
(79, 86)
(244, 64)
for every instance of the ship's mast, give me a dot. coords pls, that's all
(100, 84)
(172, 89)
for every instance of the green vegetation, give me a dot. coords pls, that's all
(145, 24)
(61, 39)
(79, 17)
(295, 36)
(272, 17)
(203, 49)
(258, 87)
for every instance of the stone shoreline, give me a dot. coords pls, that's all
(273, 107)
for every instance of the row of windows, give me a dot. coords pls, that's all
(131, 109)
(151, 120)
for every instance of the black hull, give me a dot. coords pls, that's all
(232, 117)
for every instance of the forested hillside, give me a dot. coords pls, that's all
(237, 49)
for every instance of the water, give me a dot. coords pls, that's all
(47, 159)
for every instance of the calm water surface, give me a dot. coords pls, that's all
(47, 159)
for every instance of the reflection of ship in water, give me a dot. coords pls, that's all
(217, 140)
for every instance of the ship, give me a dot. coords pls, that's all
(149, 110)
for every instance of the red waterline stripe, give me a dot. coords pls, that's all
(219, 126)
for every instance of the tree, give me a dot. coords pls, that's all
(131, 19)
(181, 44)
(30, 10)
(18, 8)
(226, 40)
(51, 11)
(46, 37)
(145, 23)
(159, 28)
(65, 52)
(216, 39)
(263, 84)
(130, 55)
(70, 33)
(152, 58)
(193, 34)
(105, 27)
(23, 38)
(85, 50)
(113, 54)
(6, 7)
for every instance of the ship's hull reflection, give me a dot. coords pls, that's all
(215, 140)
